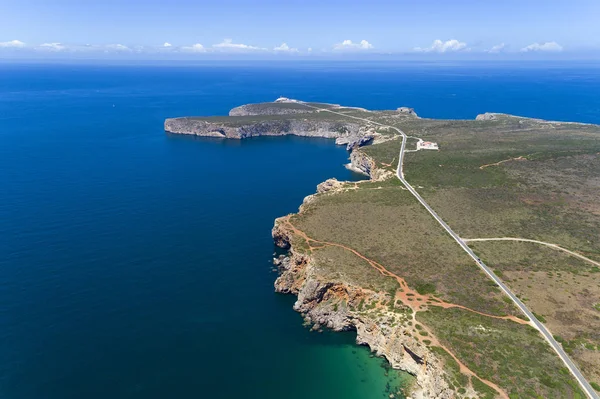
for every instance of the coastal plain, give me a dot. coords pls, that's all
(366, 256)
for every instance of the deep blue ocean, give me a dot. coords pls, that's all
(134, 264)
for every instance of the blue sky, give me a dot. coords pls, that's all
(308, 28)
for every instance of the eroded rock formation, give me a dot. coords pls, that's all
(336, 304)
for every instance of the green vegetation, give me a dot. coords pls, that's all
(424, 288)
(550, 201)
(507, 256)
(517, 177)
(539, 317)
(356, 271)
(257, 119)
(484, 391)
(562, 291)
(388, 226)
(511, 355)
(456, 379)
(509, 177)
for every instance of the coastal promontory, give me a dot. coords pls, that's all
(468, 243)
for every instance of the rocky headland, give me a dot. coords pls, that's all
(278, 119)
(333, 303)
(298, 274)
(425, 308)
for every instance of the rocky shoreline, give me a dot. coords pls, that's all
(298, 275)
(337, 290)
(318, 300)
(247, 129)
(243, 124)
(322, 302)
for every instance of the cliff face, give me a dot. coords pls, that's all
(277, 119)
(317, 299)
(298, 127)
(334, 304)
(361, 163)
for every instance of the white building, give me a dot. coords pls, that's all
(285, 100)
(426, 145)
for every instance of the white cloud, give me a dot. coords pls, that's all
(89, 48)
(228, 44)
(284, 48)
(439, 46)
(52, 47)
(349, 45)
(310, 49)
(167, 44)
(12, 44)
(195, 48)
(498, 48)
(117, 47)
(548, 46)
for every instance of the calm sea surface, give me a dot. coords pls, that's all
(137, 265)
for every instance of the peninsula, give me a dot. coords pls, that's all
(470, 258)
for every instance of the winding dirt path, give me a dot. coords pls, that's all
(417, 302)
(553, 246)
(409, 298)
(521, 158)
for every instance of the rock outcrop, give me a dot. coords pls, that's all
(407, 110)
(358, 139)
(280, 127)
(334, 304)
(254, 120)
(362, 163)
(488, 116)
(329, 185)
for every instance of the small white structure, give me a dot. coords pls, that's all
(426, 145)
(285, 100)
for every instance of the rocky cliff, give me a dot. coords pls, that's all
(350, 134)
(338, 305)
(488, 116)
(360, 162)
(332, 304)
(240, 129)
(279, 119)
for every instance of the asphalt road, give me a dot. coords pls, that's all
(583, 383)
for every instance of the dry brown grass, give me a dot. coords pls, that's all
(562, 289)
(390, 227)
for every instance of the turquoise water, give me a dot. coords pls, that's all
(134, 264)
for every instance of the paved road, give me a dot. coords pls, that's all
(584, 384)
